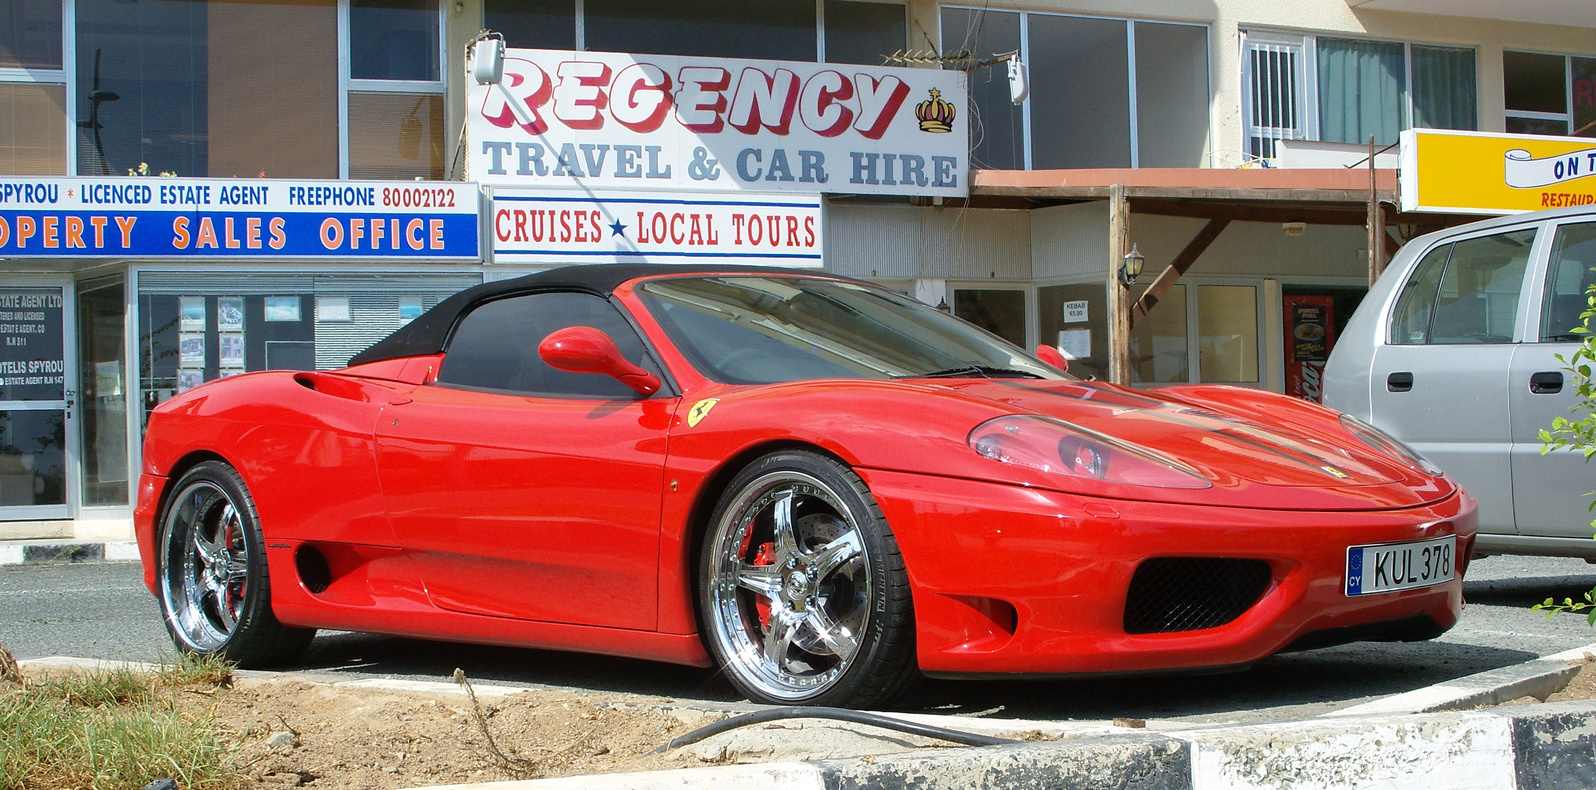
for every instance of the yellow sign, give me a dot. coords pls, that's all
(700, 410)
(1480, 173)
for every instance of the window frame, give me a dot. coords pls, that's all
(1308, 80)
(1130, 58)
(348, 84)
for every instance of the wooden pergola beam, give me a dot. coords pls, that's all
(1352, 214)
(1166, 279)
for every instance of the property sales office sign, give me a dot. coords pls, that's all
(615, 121)
(1478, 173)
(237, 218)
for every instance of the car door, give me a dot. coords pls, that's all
(527, 492)
(1549, 490)
(1440, 381)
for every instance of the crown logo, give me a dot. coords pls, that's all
(935, 115)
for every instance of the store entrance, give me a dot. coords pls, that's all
(37, 401)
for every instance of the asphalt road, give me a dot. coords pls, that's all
(102, 611)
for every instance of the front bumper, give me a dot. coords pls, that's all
(1015, 580)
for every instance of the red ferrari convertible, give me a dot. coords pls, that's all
(822, 487)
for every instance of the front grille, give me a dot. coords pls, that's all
(1170, 594)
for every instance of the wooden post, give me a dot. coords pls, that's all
(1167, 278)
(1119, 301)
(1376, 231)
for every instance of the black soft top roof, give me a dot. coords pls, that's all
(428, 333)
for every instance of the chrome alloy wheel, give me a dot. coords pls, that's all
(789, 585)
(205, 572)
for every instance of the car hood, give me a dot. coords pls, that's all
(1252, 446)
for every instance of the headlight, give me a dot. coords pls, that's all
(1385, 443)
(1057, 447)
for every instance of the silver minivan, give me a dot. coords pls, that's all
(1453, 351)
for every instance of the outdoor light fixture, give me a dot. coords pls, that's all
(487, 68)
(1131, 267)
(1019, 81)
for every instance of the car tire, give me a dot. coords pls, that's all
(214, 588)
(803, 594)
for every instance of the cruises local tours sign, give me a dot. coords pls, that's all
(605, 120)
(549, 228)
(237, 218)
(1477, 173)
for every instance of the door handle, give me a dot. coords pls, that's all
(1401, 381)
(1547, 382)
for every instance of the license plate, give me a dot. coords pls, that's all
(1388, 567)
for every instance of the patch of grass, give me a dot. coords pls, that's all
(115, 729)
(193, 670)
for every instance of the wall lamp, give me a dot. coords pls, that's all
(1130, 267)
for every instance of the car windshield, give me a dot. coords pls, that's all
(764, 330)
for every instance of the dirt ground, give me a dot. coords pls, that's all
(296, 734)
(1583, 686)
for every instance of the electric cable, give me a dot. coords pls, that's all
(837, 714)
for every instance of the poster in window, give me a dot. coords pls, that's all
(231, 354)
(193, 313)
(409, 309)
(189, 379)
(230, 314)
(191, 350)
(282, 308)
(1075, 343)
(332, 308)
(1310, 334)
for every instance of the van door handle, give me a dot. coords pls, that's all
(1546, 382)
(1399, 382)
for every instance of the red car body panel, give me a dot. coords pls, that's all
(574, 524)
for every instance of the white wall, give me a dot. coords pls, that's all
(925, 242)
(1259, 249)
(1070, 241)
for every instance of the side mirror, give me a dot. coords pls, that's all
(1051, 356)
(583, 349)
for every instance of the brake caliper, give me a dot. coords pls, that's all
(765, 556)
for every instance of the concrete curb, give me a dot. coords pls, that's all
(58, 552)
(1540, 747)
(1539, 679)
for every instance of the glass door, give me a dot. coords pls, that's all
(36, 401)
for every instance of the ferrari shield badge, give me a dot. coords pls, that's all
(700, 410)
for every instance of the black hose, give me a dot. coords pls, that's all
(838, 714)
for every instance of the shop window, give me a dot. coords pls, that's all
(1227, 333)
(1074, 318)
(1297, 87)
(102, 384)
(1171, 95)
(1158, 345)
(479, 358)
(394, 40)
(1092, 52)
(863, 33)
(997, 126)
(768, 29)
(33, 134)
(195, 327)
(30, 35)
(1572, 275)
(533, 24)
(396, 136)
(1537, 89)
(207, 88)
(1001, 312)
(1084, 68)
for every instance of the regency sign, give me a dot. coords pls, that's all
(615, 121)
(549, 228)
(237, 218)
(1479, 173)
